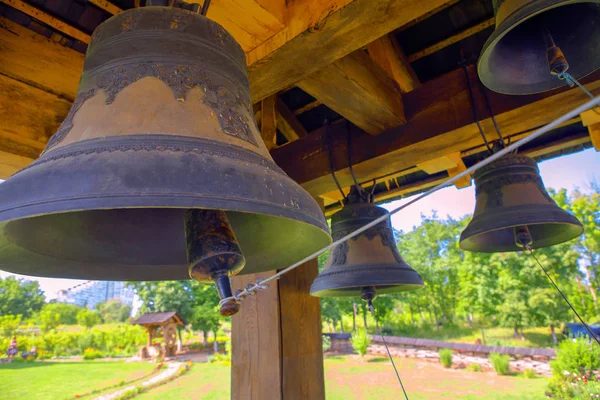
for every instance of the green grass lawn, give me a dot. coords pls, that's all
(62, 380)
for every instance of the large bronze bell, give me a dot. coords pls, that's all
(521, 56)
(367, 264)
(162, 124)
(511, 201)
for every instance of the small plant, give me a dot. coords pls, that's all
(360, 342)
(326, 343)
(91, 354)
(446, 357)
(529, 374)
(475, 367)
(500, 362)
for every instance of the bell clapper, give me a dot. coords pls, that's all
(556, 59)
(523, 237)
(368, 294)
(213, 253)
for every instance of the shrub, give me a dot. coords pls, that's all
(475, 367)
(326, 343)
(500, 362)
(91, 354)
(573, 374)
(360, 342)
(529, 374)
(446, 357)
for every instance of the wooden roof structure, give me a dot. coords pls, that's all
(159, 319)
(384, 73)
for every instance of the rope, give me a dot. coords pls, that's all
(331, 165)
(528, 247)
(250, 289)
(568, 78)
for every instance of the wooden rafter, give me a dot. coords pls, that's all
(48, 20)
(386, 52)
(106, 6)
(308, 107)
(451, 40)
(287, 122)
(440, 122)
(358, 89)
(452, 163)
(591, 119)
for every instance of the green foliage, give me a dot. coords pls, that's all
(576, 356)
(113, 311)
(91, 354)
(88, 318)
(529, 374)
(360, 342)
(500, 362)
(9, 324)
(326, 343)
(20, 297)
(475, 367)
(446, 357)
(55, 314)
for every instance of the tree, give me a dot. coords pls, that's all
(20, 297)
(205, 311)
(88, 318)
(114, 311)
(52, 315)
(9, 324)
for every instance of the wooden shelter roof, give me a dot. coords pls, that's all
(159, 318)
(385, 73)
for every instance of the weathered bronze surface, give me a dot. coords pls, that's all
(370, 259)
(514, 60)
(510, 194)
(162, 123)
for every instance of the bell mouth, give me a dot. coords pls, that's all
(113, 209)
(514, 60)
(548, 225)
(349, 280)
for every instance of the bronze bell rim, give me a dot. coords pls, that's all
(409, 280)
(505, 26)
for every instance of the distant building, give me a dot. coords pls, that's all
(90, 293)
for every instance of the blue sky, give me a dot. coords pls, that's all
(570, 172)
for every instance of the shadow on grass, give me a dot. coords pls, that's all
(379, 360)
(21, 364)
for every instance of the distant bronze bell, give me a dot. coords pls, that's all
(536, 40)
(367, 264)
(511, 200)
(158, 168)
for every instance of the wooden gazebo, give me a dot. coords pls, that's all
(379, 80)
(168, 322)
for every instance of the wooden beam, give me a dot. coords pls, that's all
(106, 6)
(268, 121)
(307, 107)
(48, 20)
(38, 61)
(386, 52)
(440, 122)
(452, 163)
(571, 141)
(344, 31)
(451, 40)
(594, 131)
(276, 340)
(287, 122)
(460, 167)
(356, 88)
(11, 163)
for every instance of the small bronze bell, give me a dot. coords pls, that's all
(367, 264)
(511, 200)
(520, 57)
(162, 124)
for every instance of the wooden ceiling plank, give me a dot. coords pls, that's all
(594, 131)
(344, 31)
(48, 20)
(441, 122)
(268, 121)
(106, 6)
(287, 122)
(463, 182)
(307, 107)
(451, 40)
(56, 69)
(356, 88)
(386, 52)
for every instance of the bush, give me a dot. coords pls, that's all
(446, 357)
(500, 362)
(326, 343)
(529, 374)
(91, 354)
(360, 342)
(475, 367)
(573, 374)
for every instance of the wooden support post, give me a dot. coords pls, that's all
(595, 135)
(276, 340)
(388, 54)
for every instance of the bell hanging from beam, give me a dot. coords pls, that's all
(535, 42)
(367, 264)
(159, 171)
(513, 209)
